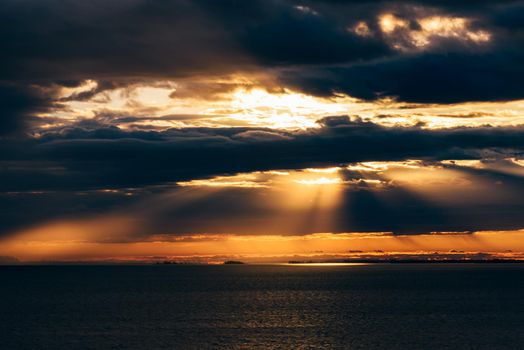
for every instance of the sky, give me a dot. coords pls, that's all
(263, 130)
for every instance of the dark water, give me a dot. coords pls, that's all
(262, 307)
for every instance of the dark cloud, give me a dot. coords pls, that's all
(453, 71)
(101, 86)
(90, 157)
(427, 78)
(298, 35)
(18, 103)
(143, 39)
(72, 40)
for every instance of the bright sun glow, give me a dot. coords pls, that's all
(429, 29)
(287, 109)
(319, 181)
(389, 23)
(157, 108)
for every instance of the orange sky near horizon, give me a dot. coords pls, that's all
(210, 247)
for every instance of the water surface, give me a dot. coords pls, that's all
(262, 307)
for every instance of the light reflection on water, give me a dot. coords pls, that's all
(323, 264)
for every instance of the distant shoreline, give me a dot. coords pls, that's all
(293, 262)
(412, 261)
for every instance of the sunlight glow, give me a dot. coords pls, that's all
(319, 181)
(243, 103)
(275, 248)
(332, 170)
(430, 29)
(389, 23)
(361, 29)
(281, 110)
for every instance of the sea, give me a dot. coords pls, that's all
(376, 306)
